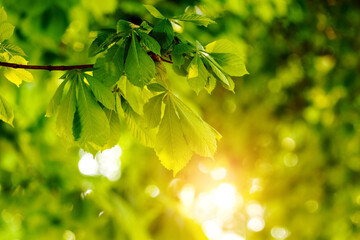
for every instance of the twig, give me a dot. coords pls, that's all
(48, 67)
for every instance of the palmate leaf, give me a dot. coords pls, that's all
(152, 110)
(137, 125)
(153, 11)
(6, 112)
(56, 100)
(163, 33)
(104, 39)
(17, 75)
(6, 29)
(198, 74)
(66, 111)
(102, 93)
(149, 42)
(182, 132)
(194, 18)
(139, 67)
(228, 57)
(115, 128)
(108, 69)
(11, 49)
(95, 128)
(171, 146)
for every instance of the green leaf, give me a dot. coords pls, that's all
(3, 15)
(171, 146)
(55, 100)
(153, 11)
(163, 33)
(228, 56)
(109, 68)
(199, 135)
(198, 74)
(149, 42)
(139, 67)
(123, 27)
(211, 84)
(115, 128)
(102, 93)
(103, 41)
(217, 69)
(137, 125)
(194, 18)
(152, 110)
(6, 31)
(95, 128)
(156, 87)
(6, 112)
(65, 117)
(13, 49)
(17, 75)
(178, 52)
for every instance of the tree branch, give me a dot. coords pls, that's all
(48, 68)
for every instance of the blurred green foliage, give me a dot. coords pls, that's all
(290, 132)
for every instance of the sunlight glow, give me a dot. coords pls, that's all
(212, 229)
(87, 164)
(224, 196)
(256, 224)
(187, 195)
(69, 235)
(231, 236)
(218, 173)
(288, 143)
(279, 233)
(106, 163)
(152, 190)
(254, 209)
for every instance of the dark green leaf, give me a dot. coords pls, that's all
(163, 33)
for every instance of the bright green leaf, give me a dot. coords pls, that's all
(152, 110)
(6, 31)
(195, 18)
(12, 49)
(102, 93)
(6, 112)
(95, 128)
(163, 32)
(198, 74)
(153, 11)
(150, 43)
(139, 67)
(56, 100)
(171, 146)
(156, 87)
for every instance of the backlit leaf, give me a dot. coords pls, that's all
(153, 11)
(6, 112)
(194, 18)
(55, 100)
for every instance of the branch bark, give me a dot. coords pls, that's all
(48, 68)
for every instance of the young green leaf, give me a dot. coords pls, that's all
(102, 93)
(153, 11)
(6, 31)
(200, 136)
(139, 67)
(228, 57)
(17, 75)
(12, 49)
(123, 27)
(137, 125)
(115, 128)
(95, 128)
(156, 87)
(149, 42)
(163, 33)
(102, 41)
(217, 69)
(198, 74)
(109, 68)
(65, 117)
(171, 146)
(56, 100)
(6, 112)
(152, 110)
(194, 18)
